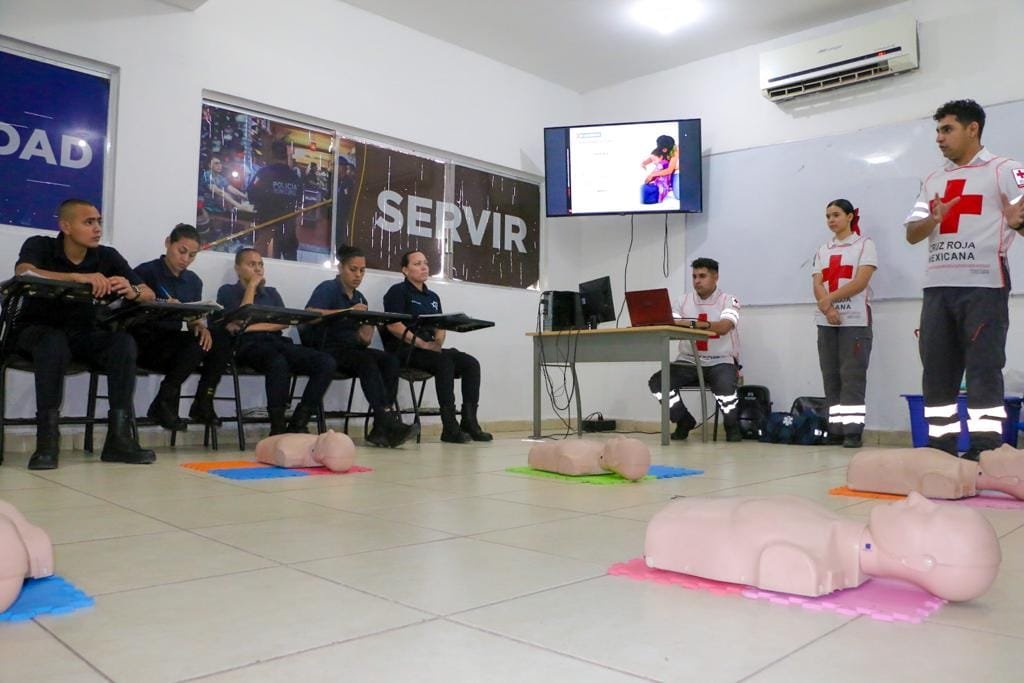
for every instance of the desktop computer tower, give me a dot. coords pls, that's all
(560, 311)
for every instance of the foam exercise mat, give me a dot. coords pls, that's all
(881, 599)
(655, 472)
(250, 469)
(52, 595)
(989, 499)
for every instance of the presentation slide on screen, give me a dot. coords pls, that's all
(618, 169)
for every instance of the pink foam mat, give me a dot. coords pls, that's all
(881, 599)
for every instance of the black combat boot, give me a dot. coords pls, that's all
(300, 419)
(278, 422)
(120, 445)
(451, 432)
(470, 426)
(202, 407)
(47, 441)
(164, 411)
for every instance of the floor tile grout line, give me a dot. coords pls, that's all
(72, 650)
(538, 646)
(798, 649)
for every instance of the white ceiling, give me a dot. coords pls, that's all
(588, 44)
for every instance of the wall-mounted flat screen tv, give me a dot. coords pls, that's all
(623, 168)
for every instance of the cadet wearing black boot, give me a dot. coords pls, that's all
(53, 332)
(349, 344)
(164, 346)
(424, 350)
(264, 347)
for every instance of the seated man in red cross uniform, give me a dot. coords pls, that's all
(969, 211)
(707, 308)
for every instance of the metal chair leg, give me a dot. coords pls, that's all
(90, 411)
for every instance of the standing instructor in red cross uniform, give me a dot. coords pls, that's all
(843, 267)
(969, 211)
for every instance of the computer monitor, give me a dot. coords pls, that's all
(596, 301)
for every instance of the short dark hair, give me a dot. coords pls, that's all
(278, 149)
(240, 254)
(964, 111)
(406, 255)
(346, 253)
(68, 205)
(183, 231)
(704, 262)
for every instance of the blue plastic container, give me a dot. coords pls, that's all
(919, 428)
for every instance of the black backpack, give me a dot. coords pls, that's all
(811, 416)
(754, 406)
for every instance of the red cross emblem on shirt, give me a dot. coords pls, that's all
(969, 204)
(835, 271)
(702, 345)
(1018, 175)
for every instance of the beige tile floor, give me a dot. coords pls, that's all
(440, 566)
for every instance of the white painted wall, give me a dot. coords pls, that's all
(320, 58)
(967, 50)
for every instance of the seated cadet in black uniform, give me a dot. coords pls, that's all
(263, 347)
(165, 347)
(349, 344)
(422, 348)
(54, 332)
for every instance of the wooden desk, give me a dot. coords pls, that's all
(614, 345)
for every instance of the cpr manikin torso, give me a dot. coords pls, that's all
(794, 545)
(25, 552)
(332, 450)
(937, 474)
(629, 458)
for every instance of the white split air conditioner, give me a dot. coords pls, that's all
(883, 49)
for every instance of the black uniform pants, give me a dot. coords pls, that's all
(178, 354)
(964, 329)
(721, 378)
(446, 366)
(52, 349)
(278, 358)
(377, 372)
(843, 354)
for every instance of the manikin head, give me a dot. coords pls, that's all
(335, 451)
(25, 551)
(628, 457)
(949, 550)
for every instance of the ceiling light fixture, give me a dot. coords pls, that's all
(666, 16)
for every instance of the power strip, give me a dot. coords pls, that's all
(601, 425)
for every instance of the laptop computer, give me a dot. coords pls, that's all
(649, 307)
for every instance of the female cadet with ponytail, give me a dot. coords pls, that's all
(843, 267)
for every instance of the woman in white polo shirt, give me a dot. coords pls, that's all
(843, 267)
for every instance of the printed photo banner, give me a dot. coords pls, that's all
(265, 184)
(389, 202)
(496, 226)
(53, 136)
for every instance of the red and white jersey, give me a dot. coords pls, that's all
(837, 262)
(717, 349)
(968, 247)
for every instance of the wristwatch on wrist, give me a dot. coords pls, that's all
(138, 292)
(693, 324)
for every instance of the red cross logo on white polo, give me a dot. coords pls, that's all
(702, 345)
(835, 271)
(1018, 175)
(969, 204)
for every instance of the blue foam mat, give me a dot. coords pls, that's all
(256, 473)
(52, 595)
(666, 472)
